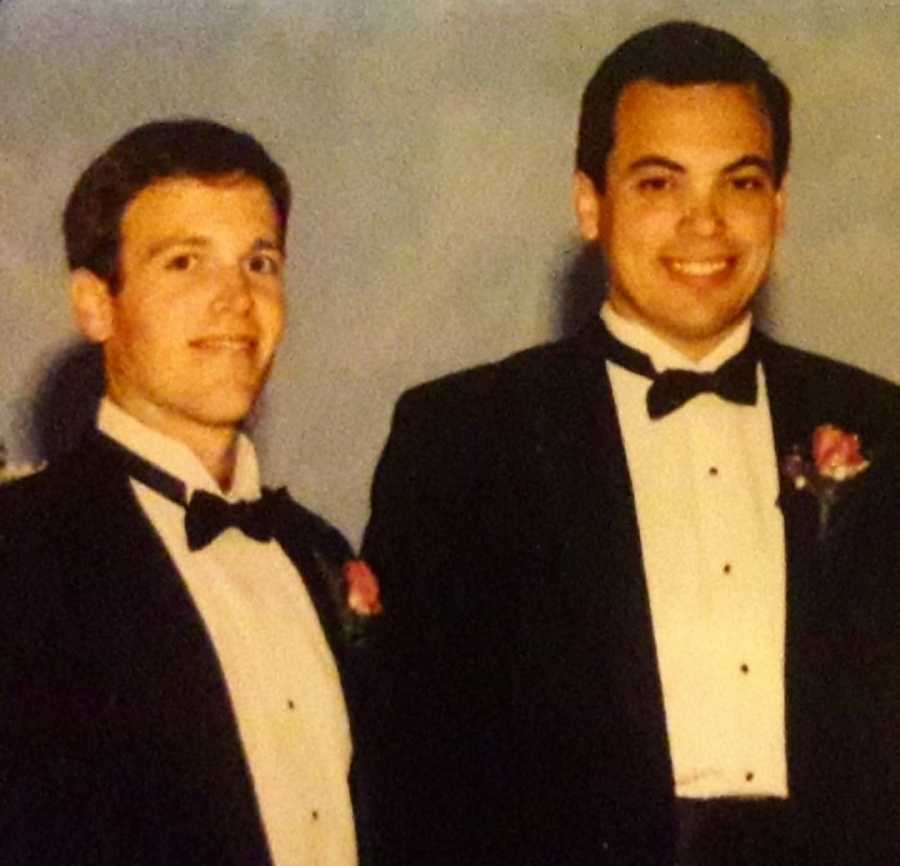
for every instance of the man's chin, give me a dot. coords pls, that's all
(226, 412)
(700, 336)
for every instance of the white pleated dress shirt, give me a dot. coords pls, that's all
(278, 668)
(705, 482)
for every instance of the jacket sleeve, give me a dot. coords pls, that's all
(435, 544)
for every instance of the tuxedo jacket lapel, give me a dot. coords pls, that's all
(834, 640)
(792, 425)
(169, 694)
(319, 553)
(605, 634)
(791, 428)
(611, 543)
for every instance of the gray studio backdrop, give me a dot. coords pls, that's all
(430, 144)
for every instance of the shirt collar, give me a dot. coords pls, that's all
(665, 357)
(176, 458)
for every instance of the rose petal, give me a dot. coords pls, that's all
(836, 453)
(363, 594)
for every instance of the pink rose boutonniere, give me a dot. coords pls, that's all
(363, 595)
(836, 459)
(362, 599)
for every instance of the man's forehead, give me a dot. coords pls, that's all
(701, 93)
(198, 195)
(225, 182)
(190, 210)
(709, 115)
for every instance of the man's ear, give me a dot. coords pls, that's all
(781, 206)
(588, 206)
(92, 304)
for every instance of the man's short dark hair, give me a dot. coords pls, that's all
(675, 53)
(155, 151)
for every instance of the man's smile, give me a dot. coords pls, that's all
(698, 268)
(225, 342)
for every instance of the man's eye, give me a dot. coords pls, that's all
(182, 262)
(263, 264)
(748, 184)
(654, 184)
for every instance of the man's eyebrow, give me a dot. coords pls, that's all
(266, 244)
(200, 242)
(749, 161)
(177, 241)
(654, 161)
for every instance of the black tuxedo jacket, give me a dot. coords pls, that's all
(523, 720)
(118, 743)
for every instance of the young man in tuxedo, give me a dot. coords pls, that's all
(638, 610)
(170, 687)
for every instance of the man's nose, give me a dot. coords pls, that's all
(232, 289)
(702, 214)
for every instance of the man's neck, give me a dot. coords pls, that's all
(664, 353)
(219, 461)
(214, 447)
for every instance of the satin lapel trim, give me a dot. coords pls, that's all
(609, 552)
(175, 655)
(304, 540)
(792, 425)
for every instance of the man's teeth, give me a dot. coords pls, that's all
(699, 269)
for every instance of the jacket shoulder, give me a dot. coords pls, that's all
(821, 385)
(829, 371)
(530, 374)
(40, 505)
(312, 530)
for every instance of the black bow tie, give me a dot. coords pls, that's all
(735, 380)
(206, 516)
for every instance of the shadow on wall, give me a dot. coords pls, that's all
(65, 406)
(579, 291)
(67, 397)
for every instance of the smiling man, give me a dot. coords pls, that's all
(687, 211)
(169, 682)
(617, 632)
